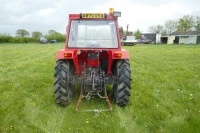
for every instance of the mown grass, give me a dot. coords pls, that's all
(165, 92)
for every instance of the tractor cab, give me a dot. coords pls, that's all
(93, 30)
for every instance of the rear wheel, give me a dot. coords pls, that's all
(63, 85)
(122, 87)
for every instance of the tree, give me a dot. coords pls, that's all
(36, 34)
(197, 23)
(157, 29)
(170, 26)
(186, 23)
(60, 37)
(5, 38)
(137, 33)
(51, 32)
(22, 33)
(53, 35)
(152, 29)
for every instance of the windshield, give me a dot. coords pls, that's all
(93, 34)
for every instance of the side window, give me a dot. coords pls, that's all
(72, 35)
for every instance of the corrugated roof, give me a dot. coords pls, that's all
(186, 33)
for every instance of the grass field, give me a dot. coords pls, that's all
(165, 92)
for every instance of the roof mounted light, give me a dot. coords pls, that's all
(117, 14)
(111, 10)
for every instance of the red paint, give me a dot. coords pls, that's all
(81, 61)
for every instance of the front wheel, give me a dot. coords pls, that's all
(63, 86)
(122, 88)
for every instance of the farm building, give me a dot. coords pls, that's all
(187, 37)
(155, 38)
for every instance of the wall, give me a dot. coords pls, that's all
(171, 39)
(187, 39)
(155, 38)
(158, 36)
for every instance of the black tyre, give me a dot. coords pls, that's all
(123, 86)
(63, 84)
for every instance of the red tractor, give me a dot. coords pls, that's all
(93, 57)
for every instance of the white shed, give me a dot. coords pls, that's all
(187, 37)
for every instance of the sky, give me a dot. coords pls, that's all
(45, 15)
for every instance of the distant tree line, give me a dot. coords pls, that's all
(6, 38)
(186, 23)
(23, 36)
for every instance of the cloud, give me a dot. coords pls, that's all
(44, 15)
(143, 14)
